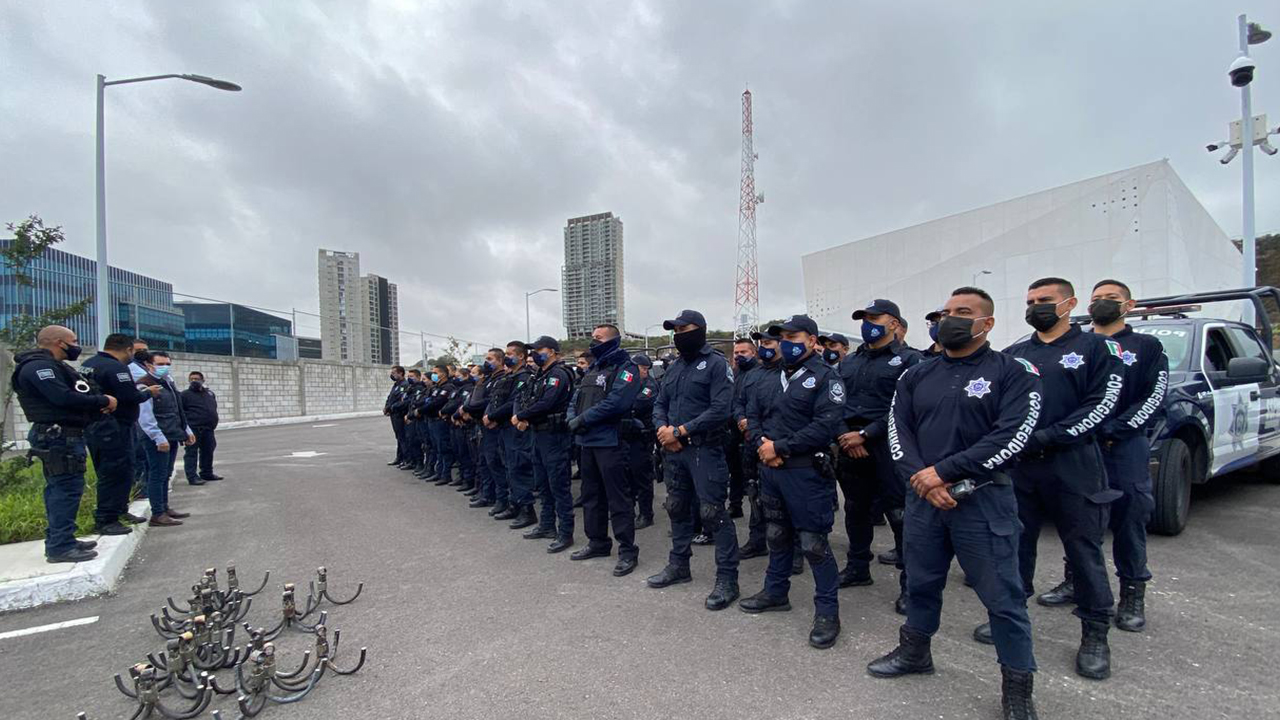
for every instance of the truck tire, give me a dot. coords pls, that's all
(1173, 488)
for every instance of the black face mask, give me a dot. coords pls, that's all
(142, 357)
(1042, 316)
(72, 351)
(691, 341)
(955, 333)
(1104, 312)
(196, 385)
(831, 356)
(600, 349)
(744, 363)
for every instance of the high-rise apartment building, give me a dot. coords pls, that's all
(591, 279)
(359, 315)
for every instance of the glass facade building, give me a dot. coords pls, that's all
(141, 306)
(210, 327)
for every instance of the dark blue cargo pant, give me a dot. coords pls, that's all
(799, 509)
(698, 477)
(551, 476)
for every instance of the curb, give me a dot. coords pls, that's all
(95, 577)
(296, 420)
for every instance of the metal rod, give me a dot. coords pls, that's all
(1249, 269)
(103, 301)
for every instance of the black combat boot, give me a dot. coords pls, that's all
(912, 656)
(498, 508)
(797, 562)
(540, 533)
(1094, 658)
(644, 521)
(1015, 701)
(525, 517)
(982, 634)
(670, 575)
(735, 509)
(825, 630)
(445, 479)
(479, 502)
(509, 514)
(1131, 613)
(751, 550)
(888, 558)
(723, 595)
(1062, 594)
(900, 605)
(852, 576)
(764, 602)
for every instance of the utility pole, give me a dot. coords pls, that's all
(746, 297)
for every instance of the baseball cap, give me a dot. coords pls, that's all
(758, 336)
(642, 360)
(879, 307)
(546, 342)
(834, 337)
(795, 323)
(935, 315)
(686, 317)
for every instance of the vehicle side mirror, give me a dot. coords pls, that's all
(1246, 369)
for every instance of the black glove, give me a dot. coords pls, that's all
(575, 425)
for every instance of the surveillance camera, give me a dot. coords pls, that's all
(1241, 71)
(1212, 147)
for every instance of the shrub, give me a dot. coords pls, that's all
(22, 501)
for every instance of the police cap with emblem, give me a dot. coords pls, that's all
(795, 323)
(545, 342)
(879, 307)
(834, 337)
(686, 317)
(642, 360)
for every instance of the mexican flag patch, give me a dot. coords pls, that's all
(1114, 348)
(625, 376)
(552, 382)
(1027, 364)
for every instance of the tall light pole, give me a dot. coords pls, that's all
(976, 275)
(102, 302)
(526, 309)
(646, 334)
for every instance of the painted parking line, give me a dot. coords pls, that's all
(325, 425)
(47, 628)
(307, 454)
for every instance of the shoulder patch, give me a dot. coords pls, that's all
(837, 392)
(627, 377)
(552, 382)
(45, 374)
(896, 361)
(702, 365)
(1114, 348)
(1026, 364)
(123, 377)
(810, 382)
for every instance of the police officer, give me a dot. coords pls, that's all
(493, 491)
(1061, 476)
(417, 408)
(692, 413)
(110, 440)
(1125, 450)
(741, 467)
(438, 427)
(638, 434)
(759, 365)
(867, 477)
(393, 408)
(792, 429)
(59, 403)
(834, 348)
(934, 349)
(412, 439)
(460, 431)
(544, 418)
(502, 404)
(603, 398)
(964, 417)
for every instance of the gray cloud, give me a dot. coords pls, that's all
(447, 143)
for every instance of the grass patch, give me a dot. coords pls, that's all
(22, 501)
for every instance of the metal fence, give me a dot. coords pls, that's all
(182, 322)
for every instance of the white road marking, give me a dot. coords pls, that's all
(307, 454)
(325, 425)
(47, 628)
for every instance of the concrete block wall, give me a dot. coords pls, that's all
(256, 388)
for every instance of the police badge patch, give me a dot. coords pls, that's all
(837, 392)
(896, 361)
(702, 365)
(601, 380)
(978, 388)
(1071, 361)
(1128, 357)
(810, 382)
(45, 374)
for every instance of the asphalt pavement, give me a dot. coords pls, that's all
(464, 619)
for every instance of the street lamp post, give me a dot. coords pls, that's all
(646, 334)
(976, 275)
(526, 309)
(102, 301)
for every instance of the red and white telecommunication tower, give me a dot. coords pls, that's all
(746, 301)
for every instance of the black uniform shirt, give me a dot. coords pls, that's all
(696, 393)
(113, 379)
(1082, 378)
(870, 376)
(47, 391)
(759, 378)
(549, 392)
(802, 414)
(1146, 379)
(965, 417)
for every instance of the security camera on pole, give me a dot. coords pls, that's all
(1255, 130)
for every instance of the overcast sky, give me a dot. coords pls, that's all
(448, 142)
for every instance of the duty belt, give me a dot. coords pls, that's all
(58, 430)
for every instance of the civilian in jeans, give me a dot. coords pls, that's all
(165, 425)
(201, 407)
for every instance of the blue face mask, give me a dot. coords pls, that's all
(508, 361)
(792, 352)
(744, 363)
(767, 354)
(540, 358)
(831, 356)
(933, 332)
(162, 370)
(871, 332)
(435, 377)
(488, 367)
(599, 350)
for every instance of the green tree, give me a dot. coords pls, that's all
(31, 238)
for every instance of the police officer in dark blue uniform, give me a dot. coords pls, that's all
(458, 392)
(868, 479)
(494, 492)
(439, 427)
(501, 407)
(394, 399)
(792, 429)
(1125, 450)
(413, 461)
(932, 319)
(472, 410)
(545, 418)
(59, 404)
(638, 433)
(110, 440)
(958, 422)
(755, 369)
(603, 398)
(418, 408)
(460, 430)
(691, 415)
(834, 348)
(1061, 476)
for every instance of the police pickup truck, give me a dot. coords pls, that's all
(1222, 410)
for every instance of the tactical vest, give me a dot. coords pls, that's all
(594, 387)
(540, 387)
(39, 410)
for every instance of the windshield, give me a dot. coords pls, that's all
(1176, 340)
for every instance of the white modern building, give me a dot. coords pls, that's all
(591, 288)
(359, 315)
(1141, 226)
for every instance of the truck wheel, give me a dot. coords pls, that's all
(1173, 488)
(1270, 470)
